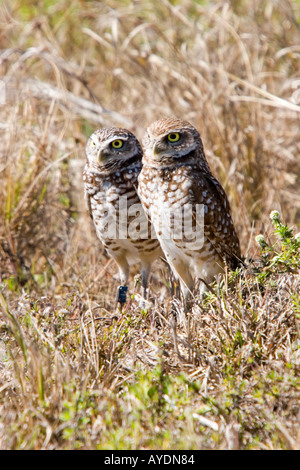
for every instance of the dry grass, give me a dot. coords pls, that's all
(72, 374)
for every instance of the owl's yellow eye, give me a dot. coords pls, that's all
(92, 144)
(117, 144)
(174, 137)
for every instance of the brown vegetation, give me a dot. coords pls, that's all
(72, 373)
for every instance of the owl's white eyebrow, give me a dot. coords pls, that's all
(116, 137)
(174, 131)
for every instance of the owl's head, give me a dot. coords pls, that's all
(170, 140)
(112, 148)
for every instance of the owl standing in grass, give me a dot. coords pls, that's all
(176, 179)
(114, 161)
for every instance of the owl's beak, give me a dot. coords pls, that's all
(100, 156)
(156, 149)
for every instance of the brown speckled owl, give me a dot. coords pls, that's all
(110, 184)
(186, 204)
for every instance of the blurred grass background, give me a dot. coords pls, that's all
(230, 68)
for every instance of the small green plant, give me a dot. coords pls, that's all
(284, 254)
(76, 414)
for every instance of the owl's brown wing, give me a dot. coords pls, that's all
(218, 224)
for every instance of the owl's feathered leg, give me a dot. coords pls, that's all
(182, 273)
(187, 294)
(145, 277)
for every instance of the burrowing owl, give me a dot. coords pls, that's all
(114, 161)
(186, 204)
